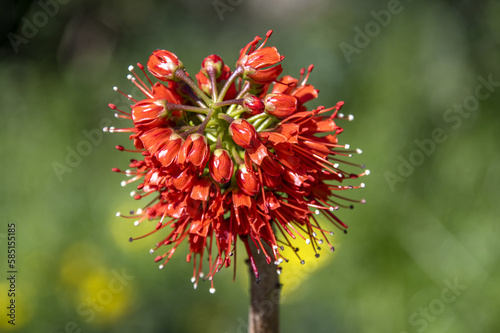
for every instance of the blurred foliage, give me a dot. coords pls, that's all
(413, 238)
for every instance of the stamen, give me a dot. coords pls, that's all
(309, 70)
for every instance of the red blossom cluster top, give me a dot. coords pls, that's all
(234, 155)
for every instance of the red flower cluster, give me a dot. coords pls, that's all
(234, 155)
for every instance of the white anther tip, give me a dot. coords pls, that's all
(129, 77)
(151, 251)
(350, 117)
(359, 151)
(193, 279)
(139, 211)
(118, 214)
(105, 129)
(136, 223)
(160, 267)
(316, 212)
(367, 172)
(130, 68)
(115, 88)
(123, 183)
(362, 185)
(347, 146)
(308, 241)
(212, 290)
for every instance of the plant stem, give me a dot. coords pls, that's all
(264, 311)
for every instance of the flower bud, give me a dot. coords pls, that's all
(194, 150)
(221, 166)
(163, 64)
(280, 105)
(149, 112)
(262, 76)
(204, 83)
(212, 61)
(247, 181)
(168, 153)
(253, 104)
(243, 133)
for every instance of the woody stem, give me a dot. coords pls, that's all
(263, 314)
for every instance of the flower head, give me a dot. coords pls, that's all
(220, 164)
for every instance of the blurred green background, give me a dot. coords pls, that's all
(421, 255)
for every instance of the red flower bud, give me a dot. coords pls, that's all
(168, 153)
(253, 104)
(163, 64)
(247, 181)
(243, 133)
(221, 166)
(204, 83)
(280, 105)
(262, 76)
(212, 61)
(149, 112)
(194, 150)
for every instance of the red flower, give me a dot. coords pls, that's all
(191, 134)
(255, 63)
(163, 64)
(247, 181)
(280, 105)
(253, 104)
(221, 166)
(243, 133)
(149, 112)
(212, 62)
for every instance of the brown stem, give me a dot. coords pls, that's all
(264, 313)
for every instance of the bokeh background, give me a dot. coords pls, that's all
(421, 256)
